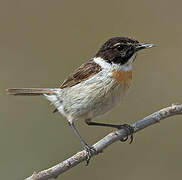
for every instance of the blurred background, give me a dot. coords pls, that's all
(41, 42)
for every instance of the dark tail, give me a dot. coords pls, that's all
(30, 91)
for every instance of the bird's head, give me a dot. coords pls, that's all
(121, 50)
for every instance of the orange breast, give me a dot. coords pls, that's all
(122, 77)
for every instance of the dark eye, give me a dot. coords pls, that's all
(121, 47)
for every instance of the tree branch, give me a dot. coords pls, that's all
(60, 168)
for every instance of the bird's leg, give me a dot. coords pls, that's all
(127, 127)
(88, 149)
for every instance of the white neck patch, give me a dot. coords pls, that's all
(105, 65)
(102, 63)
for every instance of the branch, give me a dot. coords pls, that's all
(67, 164)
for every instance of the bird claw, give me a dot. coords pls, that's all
(130, 131)
(89, 151)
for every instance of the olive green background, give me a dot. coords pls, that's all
(42, 41)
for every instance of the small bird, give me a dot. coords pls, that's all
(94, 88)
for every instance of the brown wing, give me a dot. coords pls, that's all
(82, 73)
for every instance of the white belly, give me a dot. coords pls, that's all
(91, 98)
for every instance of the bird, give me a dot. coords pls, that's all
(94, 88)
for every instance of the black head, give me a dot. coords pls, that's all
(120, 49)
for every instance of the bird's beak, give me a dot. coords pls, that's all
(144, 46)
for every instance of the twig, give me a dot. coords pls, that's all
(58, 169)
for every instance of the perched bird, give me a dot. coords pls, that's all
(94, 88)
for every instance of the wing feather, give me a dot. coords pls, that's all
(82, 73)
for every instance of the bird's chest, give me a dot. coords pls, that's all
(122, 78)
(115, 91)
(122, 81)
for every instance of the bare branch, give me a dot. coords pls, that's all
(58, 169)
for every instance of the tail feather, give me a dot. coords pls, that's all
(30, 91)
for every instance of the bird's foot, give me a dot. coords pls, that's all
(90, 151)
(130, 131)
